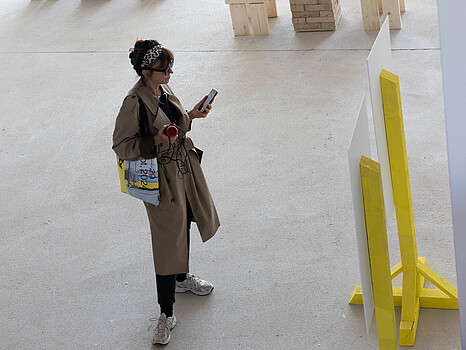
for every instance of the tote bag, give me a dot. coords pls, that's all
(140, 178)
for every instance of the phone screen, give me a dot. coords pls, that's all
(209, 99)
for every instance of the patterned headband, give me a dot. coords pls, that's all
(151, 55)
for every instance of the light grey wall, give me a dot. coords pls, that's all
(453, 47)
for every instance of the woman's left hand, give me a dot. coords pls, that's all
(196, 113)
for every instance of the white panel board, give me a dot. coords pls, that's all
(380, 58)
(360, 146)
(452, 28)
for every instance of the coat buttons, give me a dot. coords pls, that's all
(168, 181)
(172, 200)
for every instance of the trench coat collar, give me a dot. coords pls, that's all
(146, 96)
(151, 102)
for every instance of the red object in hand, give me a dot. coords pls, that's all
(171, 131)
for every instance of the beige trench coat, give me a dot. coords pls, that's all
(168, 222)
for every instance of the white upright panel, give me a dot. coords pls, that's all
(452, 27)
(380, 58)
(360, 146)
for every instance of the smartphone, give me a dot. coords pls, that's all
(209, 99)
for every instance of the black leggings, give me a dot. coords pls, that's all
(166, 284)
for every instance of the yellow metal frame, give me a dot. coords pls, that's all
(412, 296)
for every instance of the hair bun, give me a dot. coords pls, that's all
(131, 56)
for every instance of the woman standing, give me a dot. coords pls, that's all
(184, 195)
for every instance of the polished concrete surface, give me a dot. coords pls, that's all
(75, 255)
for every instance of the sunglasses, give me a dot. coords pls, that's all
(166, 70)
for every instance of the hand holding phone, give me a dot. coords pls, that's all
(208, 100)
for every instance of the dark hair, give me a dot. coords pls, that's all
(141, 47)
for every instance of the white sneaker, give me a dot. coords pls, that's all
(162, 332)
(194, 285)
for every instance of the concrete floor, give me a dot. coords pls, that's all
(75, 255)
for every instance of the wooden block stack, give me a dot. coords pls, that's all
(372, 8)
(257, 10)
(315, 15)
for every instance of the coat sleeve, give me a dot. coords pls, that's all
(185, 122)
(127, 141)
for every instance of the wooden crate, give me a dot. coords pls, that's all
(315, 15)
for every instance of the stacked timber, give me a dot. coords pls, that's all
(315, 15)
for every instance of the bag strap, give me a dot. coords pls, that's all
(143, 120)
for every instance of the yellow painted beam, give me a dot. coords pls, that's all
(356, 296)
(403, 204)
(378, 253)
(438, 281)
(436, 299)
(396, 270)
(399, 167)
(415, 269)
(430, 298)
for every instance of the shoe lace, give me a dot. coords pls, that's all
(161, 325)
(195, 280)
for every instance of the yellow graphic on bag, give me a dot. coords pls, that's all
(140, 179)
